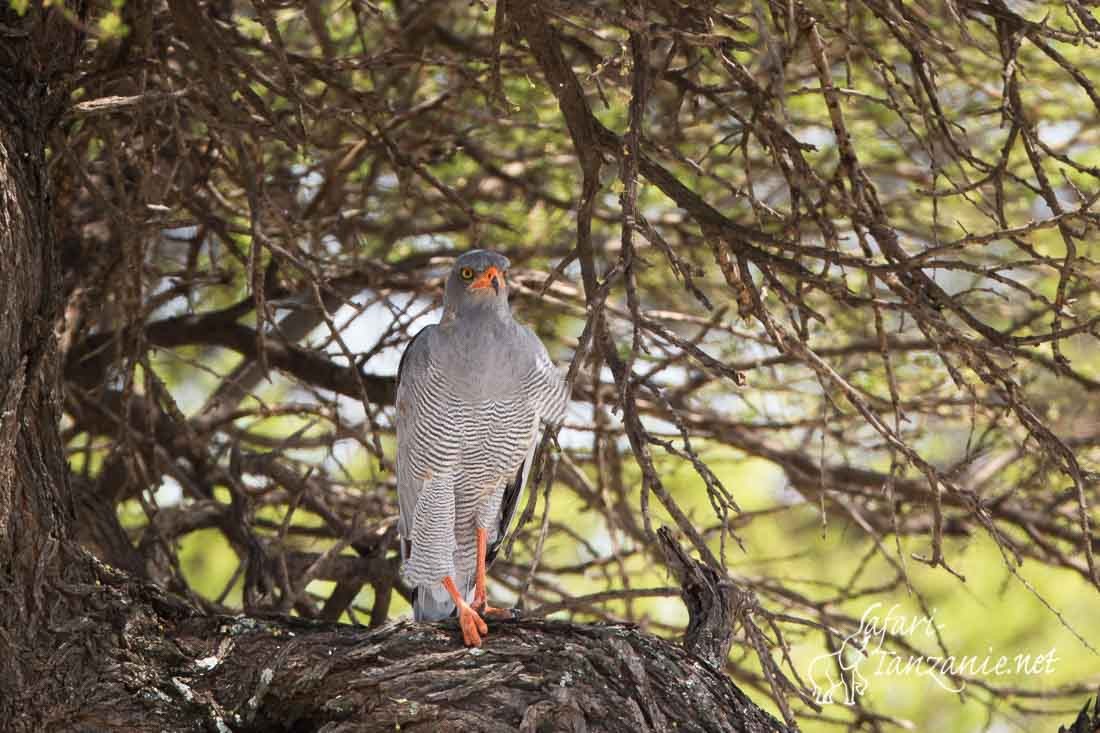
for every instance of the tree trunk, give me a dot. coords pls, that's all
(42, 639)
(84, 646)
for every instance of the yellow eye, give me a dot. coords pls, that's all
(466, 273)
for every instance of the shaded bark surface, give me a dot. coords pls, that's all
(530, 676)
(145, 660)
(44, 629)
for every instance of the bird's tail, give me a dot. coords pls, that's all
(433, 603)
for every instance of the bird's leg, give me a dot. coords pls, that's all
(473, 626)
(480, 598)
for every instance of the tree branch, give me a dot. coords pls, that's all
(266, 674)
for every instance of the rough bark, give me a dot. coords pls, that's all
(38, 618)
(140, 659)
(86, 647)
(710, 598)
(187, 671)
(32, 468)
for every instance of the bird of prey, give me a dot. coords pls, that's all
(472, 394)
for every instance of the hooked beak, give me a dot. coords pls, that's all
(491, 277)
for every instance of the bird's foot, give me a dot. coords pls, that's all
(481, 605)
(472, 625)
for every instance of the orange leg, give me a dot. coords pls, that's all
(480, 597)
(473, 626)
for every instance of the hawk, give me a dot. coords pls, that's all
(473, 393)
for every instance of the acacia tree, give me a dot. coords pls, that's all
(821, 235)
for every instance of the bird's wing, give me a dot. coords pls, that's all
(545, 385)
(413, 375)
(548, 394)
(510, 502)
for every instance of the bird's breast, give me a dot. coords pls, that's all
(484, 370)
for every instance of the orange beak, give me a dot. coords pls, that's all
(491, 277)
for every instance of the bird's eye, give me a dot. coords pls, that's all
(466, 273)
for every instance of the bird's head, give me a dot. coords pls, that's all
(477, 281)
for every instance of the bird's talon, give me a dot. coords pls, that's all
(499, 614)
(472, 625)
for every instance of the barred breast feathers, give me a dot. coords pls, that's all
(470, 398)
